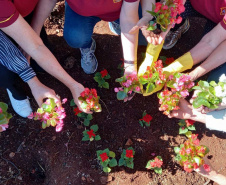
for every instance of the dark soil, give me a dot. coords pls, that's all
(30, 155)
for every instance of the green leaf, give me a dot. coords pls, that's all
(197, 160)
(97, 79)
(176, 150)
(94, 127)
(177, 158)
(199, 101)
(213, 83)
(203, 84)
(183, 131)
(191, 127)
(148, 166)
(158, 170)
(86, 122)
(197, 88)
(97, 137)
(141, 123)
(188, 134)
(121, 162)
(44, 125)
(113, 162)
(3, 106)
(107, 169)
(150, 88)
(72, 103)
(130, 165)
(3, 120)
(107, 77)
(112, 154)
(121, 95)
(89, 116)
(163, 58)
(106, 85)
(86, 138)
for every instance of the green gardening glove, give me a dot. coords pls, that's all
(179, 65)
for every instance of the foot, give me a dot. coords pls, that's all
(186, 111)
(21, 107)
(114, 27)
(173, 36)
(88, 61)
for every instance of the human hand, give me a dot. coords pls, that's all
(76, 90)
(41, 92)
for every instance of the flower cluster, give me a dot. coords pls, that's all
(4, 116)
(90, 100)
(210, 94)
(178, 86)
(50, 114)
(127, 158)
(145, 120)
(129, 84)
(155, 164)
(107, 159)
(152, 77)
(190, 154)
(166, 13)
(90, 135)
(186, 126)
(100, 78)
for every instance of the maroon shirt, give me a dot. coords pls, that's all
(214, 10)
(9, 11)
(108, 10)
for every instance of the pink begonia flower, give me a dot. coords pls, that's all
(59, 128)
(184, 93)
(188, 151)
(206, 167)
(31, 116)
(158, 82)
(4, 127)
(47, 102)
(130, 92)
(137, 88)
(64, 100)
(153, 154)
(0, 110)
(170, 77)
(116, 89)
(120, 89)
(165, 7)
(46, 116)
(191, 85)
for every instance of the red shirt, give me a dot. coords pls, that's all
(9, 11)
(108, 10)
(214, 10)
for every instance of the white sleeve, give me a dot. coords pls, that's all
(216, 120)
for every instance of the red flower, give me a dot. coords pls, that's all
(147, 118)
(91, 134)
(189, 122)
(85, 92)
(104, 73)
(206, 167)
(156, 163)
(104, 156)
(169, 60)
(129, 153)
(94, 92)
(77, 111)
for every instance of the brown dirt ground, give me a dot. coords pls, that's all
(48, 158)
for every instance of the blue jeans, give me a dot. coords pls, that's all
(78, 29)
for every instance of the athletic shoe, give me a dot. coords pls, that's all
(114, 27)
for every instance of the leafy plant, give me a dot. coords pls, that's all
(4, 116)
(155, 164)
(152, 77)
(50, 114)
(190, 154)
(121, 67)
(90, 135)
(107, 159)
(127, 158)
(86, 117)
(145, 120)
(210, 94)
(178, 86)
(90, 100)
(100, 78)
(129, 84)
(186, 126)
(165, 14)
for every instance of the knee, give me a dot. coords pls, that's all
(76, 39)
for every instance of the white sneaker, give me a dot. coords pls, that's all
(21, 107)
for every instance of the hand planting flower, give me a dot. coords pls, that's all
(90, 135)
(51, 113)
(155, 164)
(190, 154)
(210, 94)
(90, 100)
(127, 158)
(166, 13)
(129, 85)
(4, 116)
(145, 120)
(107, 159)
(178, 86)
(100, 78)
(153, 77)
(186, 126)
